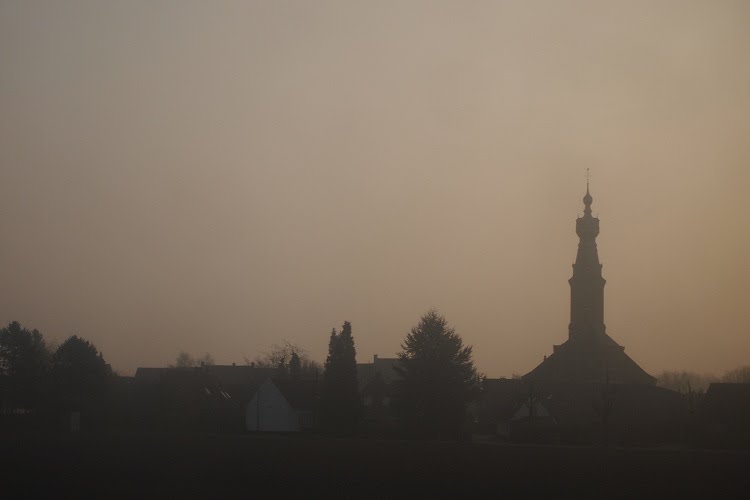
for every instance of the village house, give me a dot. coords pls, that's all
(282, 405)
(377, 386)
(723, 416)
(223, 398)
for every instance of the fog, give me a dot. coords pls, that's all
(221, 176)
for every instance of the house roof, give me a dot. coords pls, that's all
(240, 382)
(148, 375)
(179, 385)
(382, 366)
(301, 394)
(728, 403)
(581, 404)
(577, 404)
(240, 374)
(227, 382)
(500, 398)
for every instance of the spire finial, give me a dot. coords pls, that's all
(587, 199)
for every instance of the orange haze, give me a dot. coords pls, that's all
(219, 176)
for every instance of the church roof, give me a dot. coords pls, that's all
(590, 360)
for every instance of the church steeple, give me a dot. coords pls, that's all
(587, 284)
(589, 355)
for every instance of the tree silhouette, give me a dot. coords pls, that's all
(185, 360)
(739, 375)
(24, 362)
(80, 375)
(679, 381)
(438, 378)
(340, 401)
(280, 356)
(295, 366)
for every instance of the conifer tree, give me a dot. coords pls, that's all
(80, 374)
(340, 402)
(438, 378)
(24, 363)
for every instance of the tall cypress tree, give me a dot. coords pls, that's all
(340, 403)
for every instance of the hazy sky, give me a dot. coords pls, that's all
(220, 176)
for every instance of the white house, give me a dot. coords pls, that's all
(271, 410)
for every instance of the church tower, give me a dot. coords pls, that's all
(589, 355)
(587, 284)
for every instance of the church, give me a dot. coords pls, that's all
(588, 390)
(589, 355)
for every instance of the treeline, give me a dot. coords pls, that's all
(48, 383)
(436, 384)
(437, 378)
(285, 357)
(687, 381)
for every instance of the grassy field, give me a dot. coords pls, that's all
(267, 466)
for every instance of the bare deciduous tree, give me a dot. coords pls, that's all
(185, 360)
(281, 355)
(739, 375)
(685, 381)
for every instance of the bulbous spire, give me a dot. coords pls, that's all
(587, 200)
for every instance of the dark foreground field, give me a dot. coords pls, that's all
(212, 466)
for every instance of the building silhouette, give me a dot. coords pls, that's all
(589, 354)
